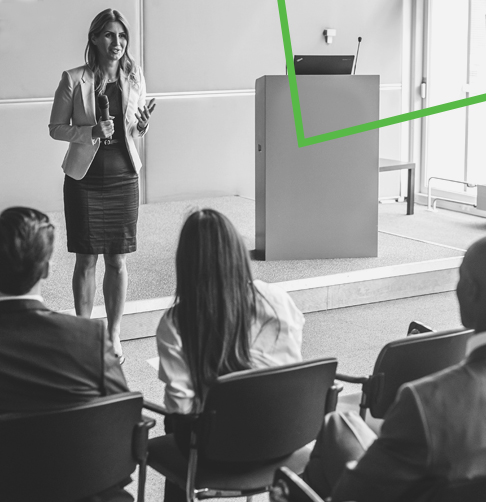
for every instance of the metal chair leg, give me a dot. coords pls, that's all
(191, 470)
(142, 476)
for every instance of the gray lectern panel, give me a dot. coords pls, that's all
(318, 201)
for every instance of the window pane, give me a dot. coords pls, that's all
(447, 76)
(476, 168)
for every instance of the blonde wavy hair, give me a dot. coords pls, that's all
(127, 64)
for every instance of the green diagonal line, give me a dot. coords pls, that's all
(404, 117)
(289, 58)
(348, 131)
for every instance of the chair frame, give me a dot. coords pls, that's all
(26, 437)
(289, 487)
(200, 423)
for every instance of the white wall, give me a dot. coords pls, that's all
(199, 143)
(38, 40)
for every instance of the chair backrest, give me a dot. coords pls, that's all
(417, 327)
(68, 454)
(259, 415)
(410, 358)
(288, 487)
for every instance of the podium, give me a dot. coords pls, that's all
(318, 201)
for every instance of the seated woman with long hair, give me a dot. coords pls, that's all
(222, 320)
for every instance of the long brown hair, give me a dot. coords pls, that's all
(215, 298)
(127, 64)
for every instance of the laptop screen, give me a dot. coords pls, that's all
(323, 65)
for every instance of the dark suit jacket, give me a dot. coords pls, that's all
(50, 360)
(434, 434)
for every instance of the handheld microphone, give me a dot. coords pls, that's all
(357, 53)
(104, 106)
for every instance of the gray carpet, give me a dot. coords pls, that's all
(151, 268)
(443, 227)
(354, 335)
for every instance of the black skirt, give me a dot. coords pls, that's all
(101, 209)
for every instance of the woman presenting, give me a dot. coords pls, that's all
(102, 163)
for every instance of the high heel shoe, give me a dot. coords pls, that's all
(118, 350)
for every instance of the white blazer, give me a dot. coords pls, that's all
(74, 114)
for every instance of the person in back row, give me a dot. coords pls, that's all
(47, 360)
(222, 321)
(434, 435)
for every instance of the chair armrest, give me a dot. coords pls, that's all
(140, 438)
(337, 387)
(148, 422)
(352, 379)
(332, 397)
(156, 408)
(140, 452)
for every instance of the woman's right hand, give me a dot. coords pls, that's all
(103, 129)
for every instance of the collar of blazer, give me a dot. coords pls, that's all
(87, 89)
(12, 305)
(476, 348)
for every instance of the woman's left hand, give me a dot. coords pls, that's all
(143, 116)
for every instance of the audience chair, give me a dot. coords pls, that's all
(73, 453)
(288, 487)
(398, 362)
(253, 422)
(417, 327)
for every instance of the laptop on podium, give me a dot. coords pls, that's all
(323, 65)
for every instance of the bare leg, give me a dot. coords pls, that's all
(84, 284)
(115, 285)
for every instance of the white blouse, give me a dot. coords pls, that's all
(269, 345)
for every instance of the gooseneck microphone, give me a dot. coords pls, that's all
(357, 53)
(104, 106)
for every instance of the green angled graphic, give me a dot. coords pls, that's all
(294, 93)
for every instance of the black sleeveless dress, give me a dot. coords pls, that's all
(101, 210)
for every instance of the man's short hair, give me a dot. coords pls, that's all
(26, 244)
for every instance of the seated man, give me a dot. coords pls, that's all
(47, 360)
(434, 434)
